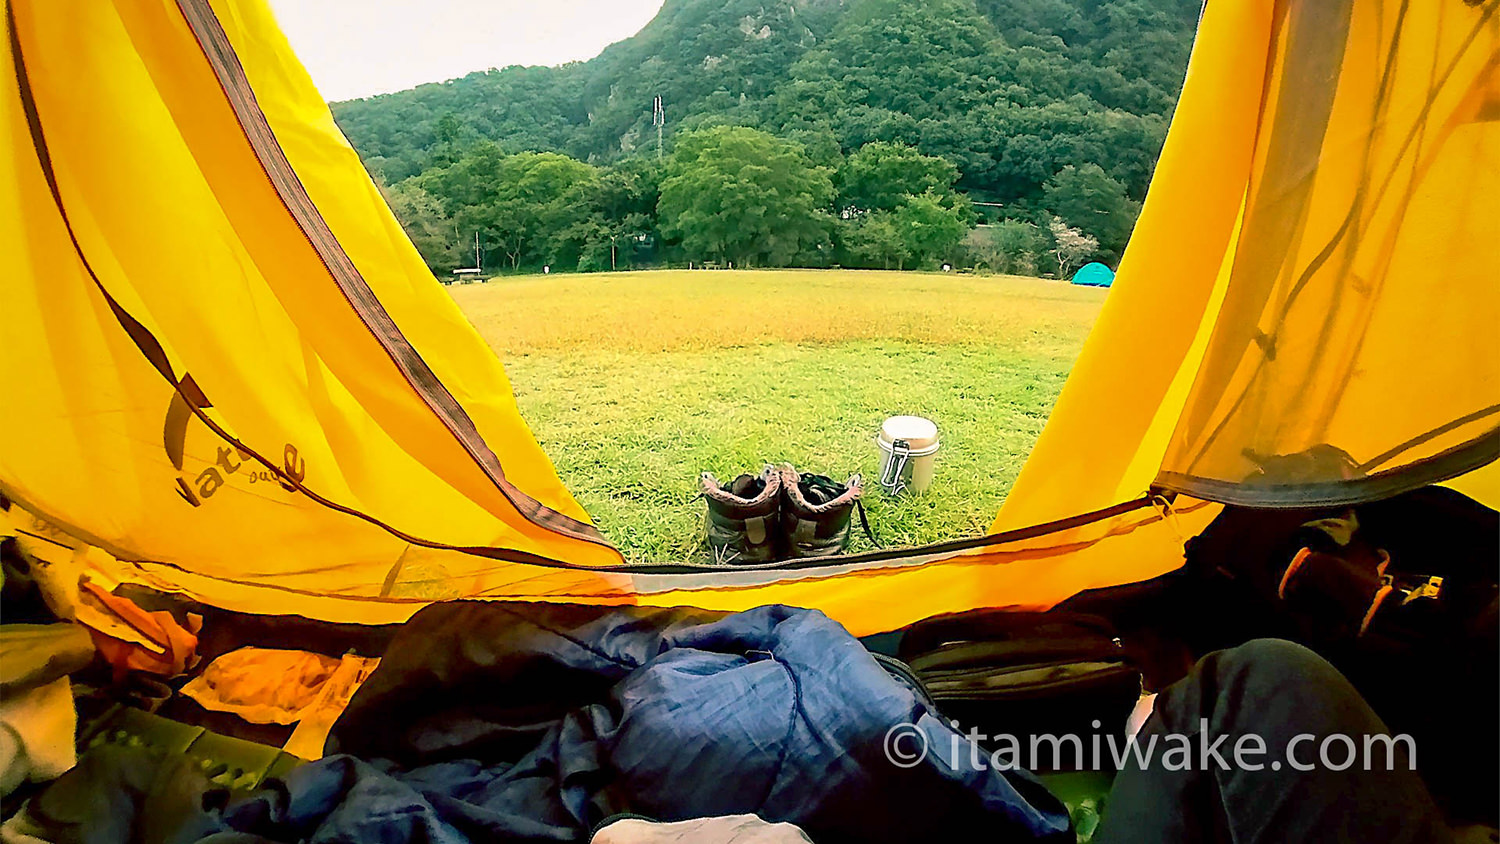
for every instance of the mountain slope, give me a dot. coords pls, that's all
(1009, 90)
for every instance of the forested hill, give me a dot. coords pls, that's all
(1010, 91)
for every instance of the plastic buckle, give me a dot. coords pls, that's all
(1432, 588)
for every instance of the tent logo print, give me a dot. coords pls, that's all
(229, 460)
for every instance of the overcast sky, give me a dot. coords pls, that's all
(355, 48)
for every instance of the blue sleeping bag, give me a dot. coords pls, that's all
(535, 722)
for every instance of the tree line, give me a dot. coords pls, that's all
(740, 196)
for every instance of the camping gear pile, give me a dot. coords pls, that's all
(243, 414)
(533, 722)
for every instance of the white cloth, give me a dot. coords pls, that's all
(38, 727)
(1139, 714)
(730, 829)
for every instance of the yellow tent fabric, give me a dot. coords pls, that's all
(234, 374)
(1134, 413)
(168, 288)
(1354, 355)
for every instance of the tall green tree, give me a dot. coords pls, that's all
(517, 203)
(436, 236)
(1010, 246)
(880, 175)
(931, 227)
(923, 231)
(872, 240)
(1088, 198)
(620, 229)
(631, 186)
(741, 195)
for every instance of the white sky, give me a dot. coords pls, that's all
(354, 48)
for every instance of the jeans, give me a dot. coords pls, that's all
(1278, 691)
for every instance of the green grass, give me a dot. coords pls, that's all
(636, 382)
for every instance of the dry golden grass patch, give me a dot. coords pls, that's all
(703, 309)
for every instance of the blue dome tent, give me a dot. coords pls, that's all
(1094, 275)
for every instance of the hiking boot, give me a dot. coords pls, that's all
(815, 512)
(743, 517)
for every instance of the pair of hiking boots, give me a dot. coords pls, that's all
(779, 515)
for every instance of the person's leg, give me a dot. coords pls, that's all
(1277, 691)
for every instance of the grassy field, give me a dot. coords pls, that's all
(636, 382)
